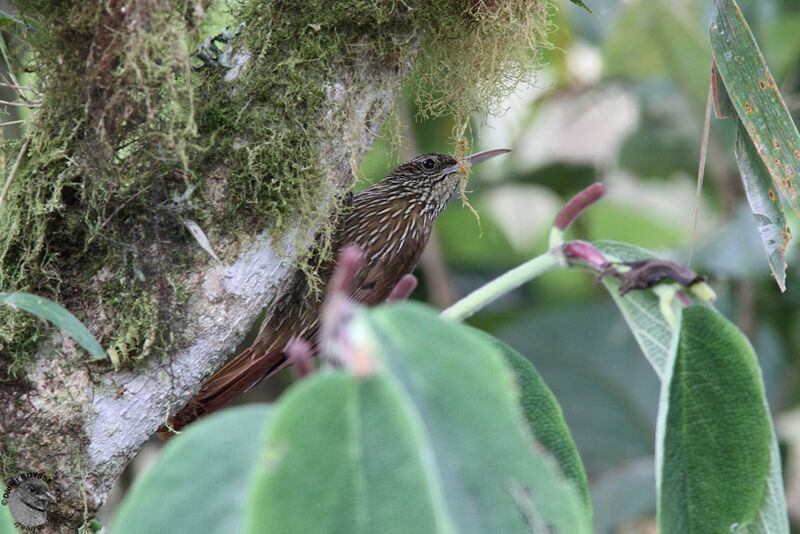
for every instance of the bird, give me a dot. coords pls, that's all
(390, 222)
(28, 502)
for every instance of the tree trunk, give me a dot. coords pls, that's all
(80, 422)
(132, 158)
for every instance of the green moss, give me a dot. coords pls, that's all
(21, 333)
(473, 66)
(91, 220)
(269, 130)
(474, 54)
(115, 120)
(8, 452)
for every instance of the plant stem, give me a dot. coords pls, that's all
(11, 174)
(501, 285)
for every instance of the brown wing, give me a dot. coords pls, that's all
(379, 278)
(390, 253)
(239, 375)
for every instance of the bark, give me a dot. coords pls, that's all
(81, 425)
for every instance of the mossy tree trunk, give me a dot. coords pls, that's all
(129, 150)
(262, 149)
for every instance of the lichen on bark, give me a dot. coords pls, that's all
(128, 143)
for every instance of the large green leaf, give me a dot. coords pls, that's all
(705, 419)
(714, 434)
(545, 418)
(49, 310)
(201, 481)
(343, 455)
(587, 357)
(433, 441)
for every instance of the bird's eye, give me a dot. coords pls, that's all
(429, 163)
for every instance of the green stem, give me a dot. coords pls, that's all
(502, 285)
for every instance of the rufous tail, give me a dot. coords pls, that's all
(239, 375)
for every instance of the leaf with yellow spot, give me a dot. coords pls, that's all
(765, 206)
(768, 143)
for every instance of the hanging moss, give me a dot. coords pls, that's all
(93, 187)
(473, 66)
(93, 216)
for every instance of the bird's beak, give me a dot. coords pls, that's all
(476, 158)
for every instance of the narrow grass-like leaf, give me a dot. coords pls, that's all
(714, 432)
(581, 4)
(9, 21)
(723, 107)
(755, 97)
(199, 236)
(50, 311)
(764, 205)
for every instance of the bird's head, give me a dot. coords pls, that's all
(28, 502)
(433, 178)
(35, 493)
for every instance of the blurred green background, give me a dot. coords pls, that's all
(620, 99)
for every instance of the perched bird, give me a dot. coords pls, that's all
(391, 222)
(28, 502)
